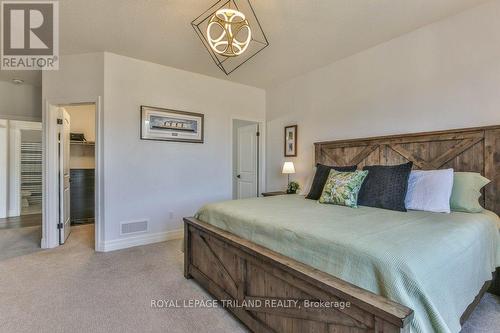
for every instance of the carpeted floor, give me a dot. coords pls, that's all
(74, 289)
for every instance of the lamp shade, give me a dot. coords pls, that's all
(288, 168)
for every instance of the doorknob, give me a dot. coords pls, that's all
(238, 176)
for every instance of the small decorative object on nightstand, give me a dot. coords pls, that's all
(272, 194)
(292, 188)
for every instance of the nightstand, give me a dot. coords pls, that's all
(272, 194)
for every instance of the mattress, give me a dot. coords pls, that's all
(434, 263)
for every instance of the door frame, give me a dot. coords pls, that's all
(64, 174)
(262, 152)
(50, 162)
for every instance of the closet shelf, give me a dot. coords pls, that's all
(83, 143)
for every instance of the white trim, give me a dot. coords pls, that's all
(15, 117)
(26, 125)
(262, 151)
(43, 243)
(14, 171)
(4, 180)
(15, 211)
(50, 197)
(99, 175)
(123, 243)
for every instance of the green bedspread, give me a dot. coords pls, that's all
(433, 263)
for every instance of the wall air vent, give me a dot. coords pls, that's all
(133, 227)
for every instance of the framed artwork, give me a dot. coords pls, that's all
(291, 141)
(171, 125)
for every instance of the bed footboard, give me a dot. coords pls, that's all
(269, 292)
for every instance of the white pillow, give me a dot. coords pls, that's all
(430, 190)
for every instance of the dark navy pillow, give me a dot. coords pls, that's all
(320, 177)
(385, 186)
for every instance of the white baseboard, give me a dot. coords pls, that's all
(123, 243)
(13, 213)
(45, 245)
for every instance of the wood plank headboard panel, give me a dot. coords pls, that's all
(470, 149)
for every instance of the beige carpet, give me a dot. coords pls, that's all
(74, 289)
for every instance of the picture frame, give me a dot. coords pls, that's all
(291, 141)
(161, 124)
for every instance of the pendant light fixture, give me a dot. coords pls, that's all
(231, 33)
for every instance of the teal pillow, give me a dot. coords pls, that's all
(342, 188)
(466, 192)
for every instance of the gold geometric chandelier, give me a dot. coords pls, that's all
(231, 33)
(224, 29)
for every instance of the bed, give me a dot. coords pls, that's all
(389, 266)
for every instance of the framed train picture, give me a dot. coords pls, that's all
(291, 141)
(171, 125)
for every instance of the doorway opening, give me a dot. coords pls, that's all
(247, 162)
(71, 166)
(57, 157)
(20, 174)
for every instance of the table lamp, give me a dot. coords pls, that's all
(288, 168)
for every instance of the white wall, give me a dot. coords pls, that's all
(165, 181)
(82, 121)
(445, 75)
(79, 79)
(20, 102)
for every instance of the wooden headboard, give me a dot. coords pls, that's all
(470, 149)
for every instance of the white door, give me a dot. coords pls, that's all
(246, 170)
(64, 180)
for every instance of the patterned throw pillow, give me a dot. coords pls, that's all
(342, 188)
(320, 177)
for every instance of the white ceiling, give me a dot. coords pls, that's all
(303, 34)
